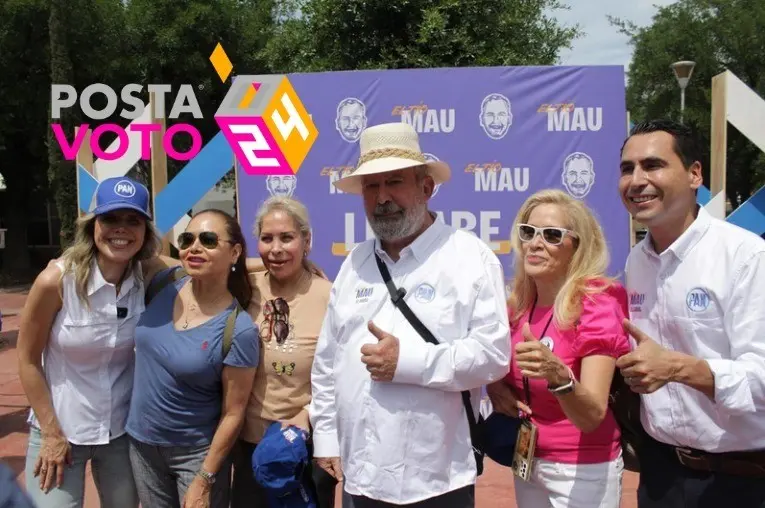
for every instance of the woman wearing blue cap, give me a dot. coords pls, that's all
(75, 350)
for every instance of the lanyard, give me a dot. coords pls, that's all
(526, 388)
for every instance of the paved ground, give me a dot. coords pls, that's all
(494, 487)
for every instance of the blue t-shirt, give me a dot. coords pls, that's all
(177, 389)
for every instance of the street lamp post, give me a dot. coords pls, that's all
(683, 71)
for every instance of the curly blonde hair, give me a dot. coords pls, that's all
(586, 271)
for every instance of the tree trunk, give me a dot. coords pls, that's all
(61, 173)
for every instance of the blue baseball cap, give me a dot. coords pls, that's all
(279, 463)
(121, 193)
(498, 435)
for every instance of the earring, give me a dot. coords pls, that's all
(233, 268)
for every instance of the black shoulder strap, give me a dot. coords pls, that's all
(228, 331)
(155, 286)
(397, 297)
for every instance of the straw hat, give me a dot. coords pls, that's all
(390, 147)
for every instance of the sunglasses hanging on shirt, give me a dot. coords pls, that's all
(276, 324)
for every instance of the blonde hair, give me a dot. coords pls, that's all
(78, 257)
(586, 271)
(296, 211)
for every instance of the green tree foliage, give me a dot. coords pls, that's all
(80, 57)
(321, 35)
(116, 42)
(24, 88)
(717, 35)
(177, 49)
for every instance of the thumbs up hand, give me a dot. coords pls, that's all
(535, 360)
(649, 366)
(381, 358)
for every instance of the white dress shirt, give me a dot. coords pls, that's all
(705, 296)
(408, 440)
(88, 362)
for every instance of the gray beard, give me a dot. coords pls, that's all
(392, 229)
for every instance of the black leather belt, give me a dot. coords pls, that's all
(746, 463)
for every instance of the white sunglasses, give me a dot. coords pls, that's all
(551, 235)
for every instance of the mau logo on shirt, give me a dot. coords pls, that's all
(363, 294)
(636, 302)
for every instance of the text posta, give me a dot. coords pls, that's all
(65, 96)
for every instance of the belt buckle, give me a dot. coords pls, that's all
(682, 454)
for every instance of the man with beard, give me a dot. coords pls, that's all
(387, 412)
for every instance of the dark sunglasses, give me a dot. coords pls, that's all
(208, 239)
(276, 314)
(551, 236)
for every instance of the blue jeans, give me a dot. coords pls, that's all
(112, 475)
(163, 474)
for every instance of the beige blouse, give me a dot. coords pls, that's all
(289, 328)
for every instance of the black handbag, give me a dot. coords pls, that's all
(625, 405)
(397, 297)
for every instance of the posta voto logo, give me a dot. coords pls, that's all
(261, 116)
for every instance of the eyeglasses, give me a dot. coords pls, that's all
(276, 317)
(208, 239)
(551, 236)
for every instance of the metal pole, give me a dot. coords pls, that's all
(682, 103)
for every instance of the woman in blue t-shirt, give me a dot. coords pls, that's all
(189, 395)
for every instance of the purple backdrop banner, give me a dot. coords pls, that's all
(506, 132)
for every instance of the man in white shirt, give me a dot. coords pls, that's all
(697, 308)
(387, 412)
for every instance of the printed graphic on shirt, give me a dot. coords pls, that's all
(276, 325)
(283, 368)
(636, 301)
(697, 299)
(363, 294)
(424, 293)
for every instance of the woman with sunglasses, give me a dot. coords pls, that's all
(289, 313)
(190, 388)
(566, 331)
(75, 349)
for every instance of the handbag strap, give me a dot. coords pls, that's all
(397, 297)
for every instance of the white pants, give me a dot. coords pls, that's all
(557, 485)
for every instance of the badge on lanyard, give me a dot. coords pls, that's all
(525, 445)
(526, 442)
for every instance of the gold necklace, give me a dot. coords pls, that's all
(193, 307)
(186, 315)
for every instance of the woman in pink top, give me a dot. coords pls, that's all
(566, 333)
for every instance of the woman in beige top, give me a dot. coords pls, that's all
(289, 311)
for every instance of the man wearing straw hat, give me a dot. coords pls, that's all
(387, 413)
